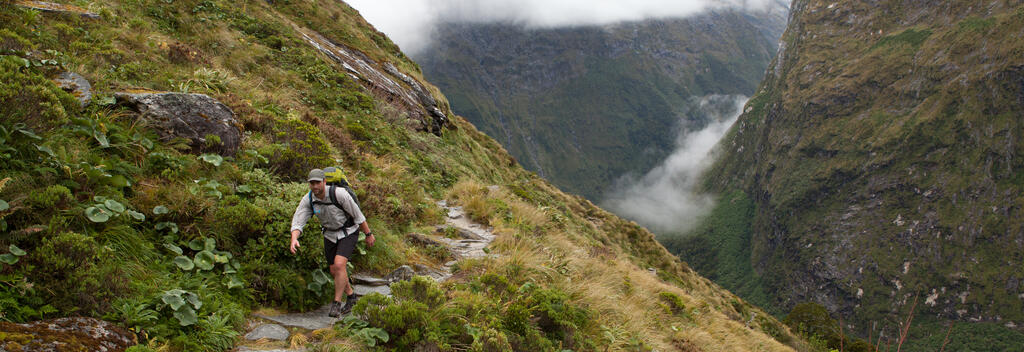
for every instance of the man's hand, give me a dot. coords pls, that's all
(295, 245)
(370, 240)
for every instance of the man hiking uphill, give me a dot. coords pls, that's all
(341, 221)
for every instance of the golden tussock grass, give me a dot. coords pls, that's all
(623, 298)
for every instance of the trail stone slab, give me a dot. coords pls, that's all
(196, 117)
(76, 85)
(368, 280)
(455, 213)
(313, 320)
(268, 331)
(363, 290)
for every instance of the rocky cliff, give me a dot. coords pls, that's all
(582, 106)
(152, 154)
(880, 163)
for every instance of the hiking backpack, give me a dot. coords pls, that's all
(335, 178)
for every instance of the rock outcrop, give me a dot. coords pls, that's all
(209, 125)
(411, 98)
(65, 334)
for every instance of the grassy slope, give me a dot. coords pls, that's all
(888, 145)
(569, 274)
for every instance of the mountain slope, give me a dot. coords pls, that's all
(106, 212)
(879, 164)
(582, 106)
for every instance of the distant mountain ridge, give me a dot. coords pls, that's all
(582, 106)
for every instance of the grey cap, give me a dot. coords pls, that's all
(315, 175)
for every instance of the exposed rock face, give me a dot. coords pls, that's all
(76, 85)
(883, 158)
(209, 125)
(411, 98)
(65, 334)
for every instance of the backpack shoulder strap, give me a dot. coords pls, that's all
(349, 220)
(334, 200)
(311, 210)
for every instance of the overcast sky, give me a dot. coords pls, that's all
(409, 23)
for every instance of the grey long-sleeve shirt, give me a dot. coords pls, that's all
(330, 216)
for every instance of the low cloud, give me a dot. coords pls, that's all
(409, 23)
(665, 200)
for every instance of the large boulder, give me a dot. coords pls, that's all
(209, 125)
(65, 334)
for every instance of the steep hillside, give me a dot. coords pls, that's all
(582, 106)
(879, 165)
(123, 198)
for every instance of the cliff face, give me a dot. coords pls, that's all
(582, 106)
(152, 154)
(882, 160)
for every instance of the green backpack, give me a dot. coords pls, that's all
(335, 178)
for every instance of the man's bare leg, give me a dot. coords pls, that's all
(339, 270)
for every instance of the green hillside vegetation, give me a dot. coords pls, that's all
(882, 163)
(100, 217)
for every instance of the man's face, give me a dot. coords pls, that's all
(317, 187)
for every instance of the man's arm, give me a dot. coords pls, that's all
(299, 219)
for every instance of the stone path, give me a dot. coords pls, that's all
(473, 239)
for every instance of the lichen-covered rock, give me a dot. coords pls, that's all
(403, 273)
(76, 85)
(65, 334)
(209, 125)
(45, 6)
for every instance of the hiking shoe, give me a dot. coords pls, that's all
(349, 303)
(335, 310)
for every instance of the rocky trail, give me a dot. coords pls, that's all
(272, 332)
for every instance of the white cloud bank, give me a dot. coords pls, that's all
(665, 199)
(409, 23)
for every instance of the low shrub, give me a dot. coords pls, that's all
(80, 274)
(19, 82)
(298, 147)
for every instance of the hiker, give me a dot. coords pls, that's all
(339, 240)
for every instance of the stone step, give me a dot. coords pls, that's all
(363, 290)
(368, 280)
(312, 320)
(268, 331)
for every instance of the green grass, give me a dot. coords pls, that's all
(912, 37)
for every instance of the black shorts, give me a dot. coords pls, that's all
(343, 247)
